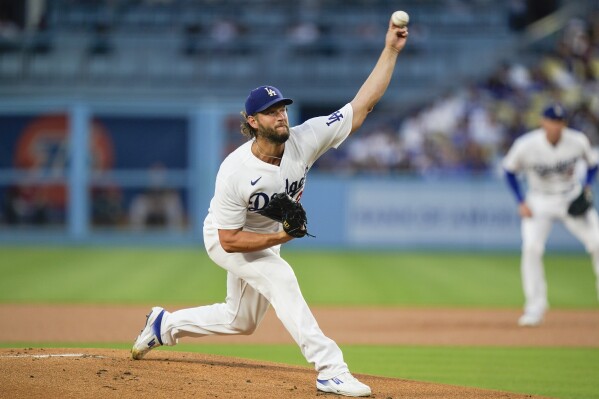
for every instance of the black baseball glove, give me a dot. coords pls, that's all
(289, 212)
(581, 204)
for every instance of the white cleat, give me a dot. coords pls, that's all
(149, 338)
(530, 320)
(344, 384)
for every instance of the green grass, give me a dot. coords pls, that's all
(75, 275)
(185, 276)
(553, 372)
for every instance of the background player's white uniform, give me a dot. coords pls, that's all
(244, 184)
(552, 185)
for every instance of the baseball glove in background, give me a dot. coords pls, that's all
(284, 209)
(581, 204)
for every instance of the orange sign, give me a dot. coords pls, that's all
(42, 149)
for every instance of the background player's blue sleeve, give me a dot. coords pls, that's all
(591, 172)
(514, 185)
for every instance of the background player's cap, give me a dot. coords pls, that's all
(263, 97)
(555, 112)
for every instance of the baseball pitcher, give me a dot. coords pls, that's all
(255, 209)
(548, 156)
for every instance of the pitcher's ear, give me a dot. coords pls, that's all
(251, 119)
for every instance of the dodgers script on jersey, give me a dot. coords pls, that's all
(245, 184)
(550, 169)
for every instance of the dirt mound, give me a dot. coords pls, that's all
(101, 373)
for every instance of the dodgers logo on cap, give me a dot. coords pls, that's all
(263, 97)
(555, 112)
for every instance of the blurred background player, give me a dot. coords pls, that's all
(246, 244)
(549, 156)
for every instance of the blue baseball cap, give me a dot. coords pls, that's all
(263, 97)
(555, 112)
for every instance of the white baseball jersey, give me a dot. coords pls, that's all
(553, 183)
(258, 279)
(550, 169)
(245, 184)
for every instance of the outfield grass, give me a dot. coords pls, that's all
(184, 276)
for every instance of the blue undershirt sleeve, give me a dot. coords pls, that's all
(591, 172)
(514, 185)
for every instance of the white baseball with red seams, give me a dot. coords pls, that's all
(400, 18)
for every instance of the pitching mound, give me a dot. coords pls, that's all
(101, 373)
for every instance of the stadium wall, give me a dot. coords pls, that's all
(345, 212)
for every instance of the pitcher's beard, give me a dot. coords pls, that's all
(273, 136)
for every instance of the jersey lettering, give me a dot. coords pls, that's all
(258, 201)
(562, 167)
(295, 187)
(334, 117)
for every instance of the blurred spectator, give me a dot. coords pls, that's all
(514, 129)
(107, 206)
(100, 43)
(158, 206)
(517, 14)
(304, 37)
(192, 39)
(518, 77)
(10, 25)
(584, 119)
(224, 31)
(304, 33)
(227, 37)
(486, 131)
(26, 206)
(377, 151)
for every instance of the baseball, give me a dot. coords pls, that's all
(400, 18)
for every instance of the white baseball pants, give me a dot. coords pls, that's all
(255, 280)
(535, 231)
